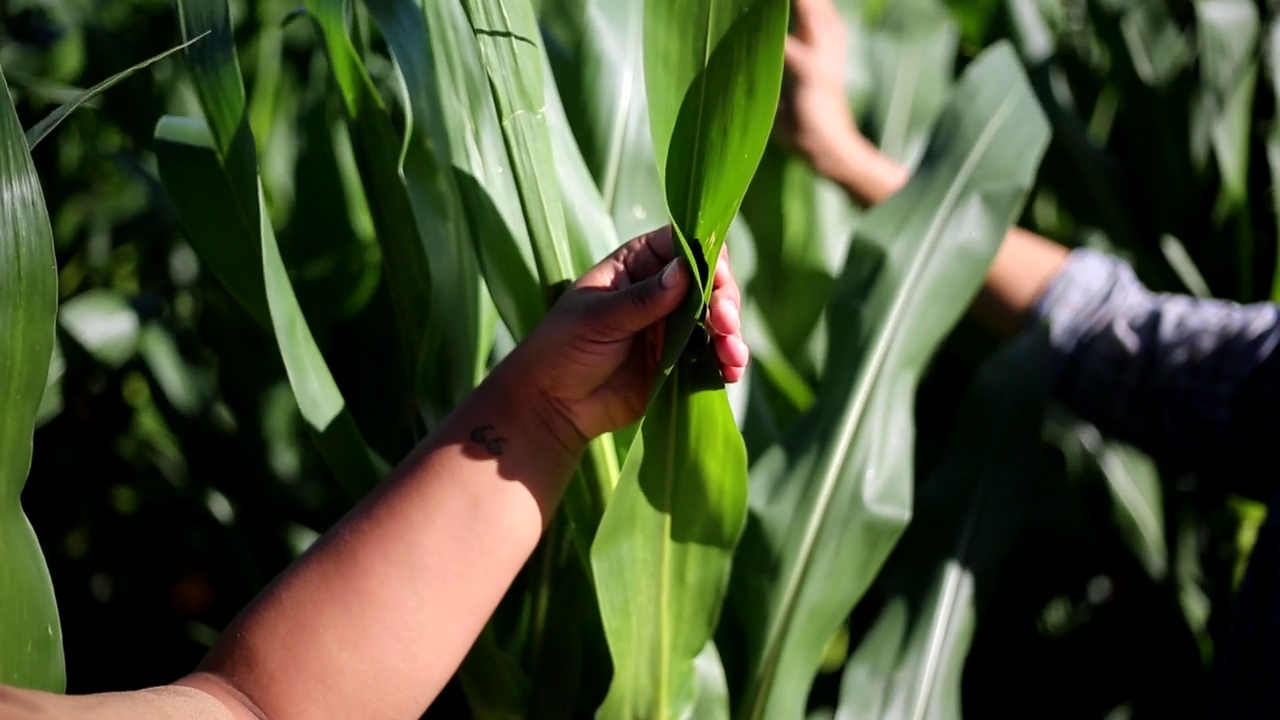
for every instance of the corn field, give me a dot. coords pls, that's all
(252, 252)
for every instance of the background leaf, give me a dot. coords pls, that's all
(909, 661)
(832, 499)
(192, 153)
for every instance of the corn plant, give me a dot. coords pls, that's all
(707, 560)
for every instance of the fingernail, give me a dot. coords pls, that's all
(668, 278)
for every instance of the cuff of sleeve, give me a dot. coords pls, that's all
(1080, 300)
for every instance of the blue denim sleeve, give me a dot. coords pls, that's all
(1192, 381)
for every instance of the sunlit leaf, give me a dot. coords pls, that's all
(713, 72)
(662, 553)
(507, 33)
(457, 346)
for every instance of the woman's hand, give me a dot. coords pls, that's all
(594, 358)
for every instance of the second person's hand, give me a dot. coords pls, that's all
(813, 113)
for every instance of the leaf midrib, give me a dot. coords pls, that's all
(852, 419)
(664, 557)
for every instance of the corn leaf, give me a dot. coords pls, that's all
(1228, 33)
(590, 229)
(507, 34)
(458, 345)
(210, 174)
(377, 151)
(909, 663)
(663, 550)
(664, 547)
(1272, 65)
(713, 71)
(41, 130)
(603, 78)
(829, 503)
(30, 634)
(1130, 478)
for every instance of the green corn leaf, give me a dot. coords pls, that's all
(1272, 65)
(41, 130)
(713, 71)
(507, 33)
(796, 219)
(830, 502)
(713, 686)
(209, 171)
(215, 70)
(712, 78)
(663, 550)
(455, 122)
(185, 390)
(590, 229)
(459, 344)
(195, 180)
(30, 634)
(908, 664)
(604, 92)
(510, 51)
(377, 151)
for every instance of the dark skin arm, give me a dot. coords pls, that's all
(816, 122)
(377, 616)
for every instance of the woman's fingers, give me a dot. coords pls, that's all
(733, 355)
(724, 317)
(641, 257)
(723, 312)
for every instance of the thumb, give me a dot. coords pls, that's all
(634, 308)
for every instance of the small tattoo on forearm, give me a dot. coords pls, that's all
(481, 436)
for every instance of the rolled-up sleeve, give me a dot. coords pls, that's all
(1192, 381)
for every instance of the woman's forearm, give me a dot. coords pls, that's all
(375, 619)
